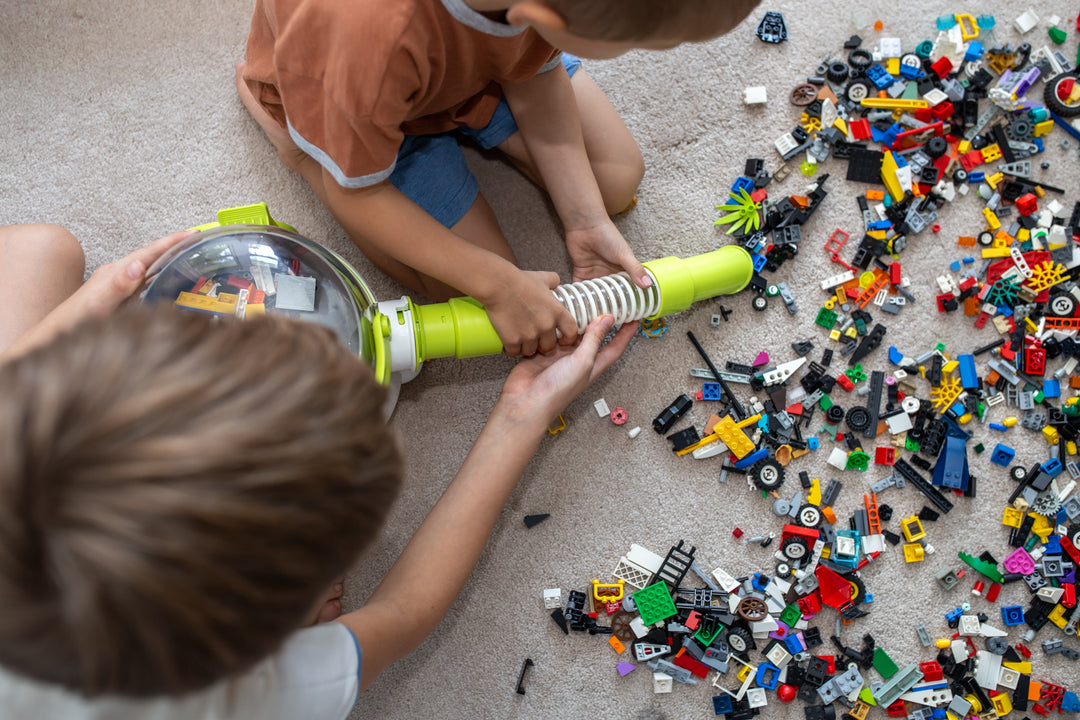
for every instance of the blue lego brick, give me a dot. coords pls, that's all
(969, 376)
(879, 225)
(1038, 143)
(710, 391)
(1070, 702)
(767, 675)
(879, 76)
(1002, 455)
(954, 614)
(910, 72)
(742, 183)
(974, 51)
(793, 644)
(1012, 615)
(951, 470)
(998, 426)
(946, 22)
(812, 443)
(967, 260)
(955, 266)
(760, 582)
(976, 177)
(1052, 467)
(1051, 388)
(1052, 546)
(895, 356)
(752, 458)
(759, 262)
(722, 704)
(939, 714)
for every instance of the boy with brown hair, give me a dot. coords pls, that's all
(178, 494)
(366, 100)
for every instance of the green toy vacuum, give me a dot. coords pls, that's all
(247, 264)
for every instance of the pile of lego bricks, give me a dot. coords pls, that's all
(929, 127)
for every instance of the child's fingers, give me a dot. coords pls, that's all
(613, 350)
(149, 255)
(589, 345)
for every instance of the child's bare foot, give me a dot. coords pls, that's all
(278, 135)
(331, 606)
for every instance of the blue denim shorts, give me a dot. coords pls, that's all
(431, 169)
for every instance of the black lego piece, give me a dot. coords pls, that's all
(868, 344)
(521, 676)
(873, 403)
(532, 521)
(663, 422)
(864, 165)
(772, 28)
(923, 485)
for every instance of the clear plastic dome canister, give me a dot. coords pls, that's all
(247, 270)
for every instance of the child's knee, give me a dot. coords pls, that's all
(46, 245)
(619, 182)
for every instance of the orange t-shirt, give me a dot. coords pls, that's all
(350, 78)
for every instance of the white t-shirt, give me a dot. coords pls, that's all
(315, 676)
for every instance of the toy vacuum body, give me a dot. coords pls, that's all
(247, 264)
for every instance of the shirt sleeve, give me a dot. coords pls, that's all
(357, 145)
(318, 674)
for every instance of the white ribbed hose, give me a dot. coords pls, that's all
(615, 295)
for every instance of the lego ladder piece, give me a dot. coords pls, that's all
(675, 566)
(880, 281)
(873, 518)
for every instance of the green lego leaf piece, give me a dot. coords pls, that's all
(867, 697)
(742, 213)
(911, 445)
(857, 460)
(791, 615)
(654, 603)
(989, 570)
(884, 664)
(825, 402)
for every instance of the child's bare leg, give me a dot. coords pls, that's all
(479, 225)
(43, 265)
(613, 153)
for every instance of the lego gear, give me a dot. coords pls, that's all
(1020, 129)
(1062, 85)
(1045, 275)
(768, 474)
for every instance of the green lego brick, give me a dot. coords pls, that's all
(791, 615)
(654, 603)
(988, 569)
(826, 318)
(884, 664)
(706, 636)
(911, 445)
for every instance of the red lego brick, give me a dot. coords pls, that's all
(884, 456)
(931, 671)
(896, 710)
(894, 273)
(942, 67)
(860, 129)
(1034, 360)
(993, 592)
(1027, 204)
(845, 382)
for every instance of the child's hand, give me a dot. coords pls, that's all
(526, 315)
(599, 250)
(541, 387)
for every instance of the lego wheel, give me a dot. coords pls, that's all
(804, 94)
(860, 59)
(794, 548)
(1062, 305)
(1074, 535)
(784, 570)
(858, 91)
(1062, 95)
(768, 474)
(858, 589)
(752, 609)
(837, 73)
(857, 418)
(620, 626)
(739, 640)
(809, 516)
(759, 303)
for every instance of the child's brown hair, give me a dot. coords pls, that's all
(637, 20)
(176, 493)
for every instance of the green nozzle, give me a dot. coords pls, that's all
(685, 281)
(461, 327)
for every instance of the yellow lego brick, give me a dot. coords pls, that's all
(912, 528)
(991, 252)
(964, 147)
(1022, 235)
(841, 295)
(813, 496)
(1002, 705)
(991, 153)
(224, 304)
(888, 176)
(991, 218)
(258, 309)
(1057, 616)
(892, 66)
(994, 179)
(1040, 526)
(1051, 434)
(893, 104)
(840, 125)
(851, 332)
(949, 367)
(830, 303)
(1023, 667)
(1012, 517)
(914, 552)
(834, 334)
(877, 235)
(1043, 128)
(1031, 325)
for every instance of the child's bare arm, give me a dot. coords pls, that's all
(546, 112)
(424, 582)
(520, 303)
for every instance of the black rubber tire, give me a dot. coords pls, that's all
(795, 548)
(858, 90)
(838, 73)
(768, 474)
(759, 303)
(739, 640)
(1051, 99)
(857, 418)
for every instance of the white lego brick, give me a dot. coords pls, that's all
(873, 543)
(935, 97)
(987, 630)
(726, 582)
(785, 144)
(764, 627)
(890, 47)
(899, 423)
(987, 667)
(1008, 678)
(838, 458)
(959, 650)
(1027, 21)
(602, 408)
(634, 432)
(711, 450)
(755, 697)
(1050, 595)
(552, 598)
(934, 697)
(638, 628)
(831, 282)
(755, 95)
(662, 683)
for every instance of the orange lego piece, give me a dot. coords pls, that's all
(966, 241)
(875, 195)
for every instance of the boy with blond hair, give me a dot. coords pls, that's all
(367, 99)
(178, 496)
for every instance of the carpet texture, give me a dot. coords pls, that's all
(124, 126)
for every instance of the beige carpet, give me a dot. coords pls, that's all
(123, 125)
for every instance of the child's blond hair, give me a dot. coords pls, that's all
(177, 493)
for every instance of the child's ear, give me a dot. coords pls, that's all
(536, 13)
